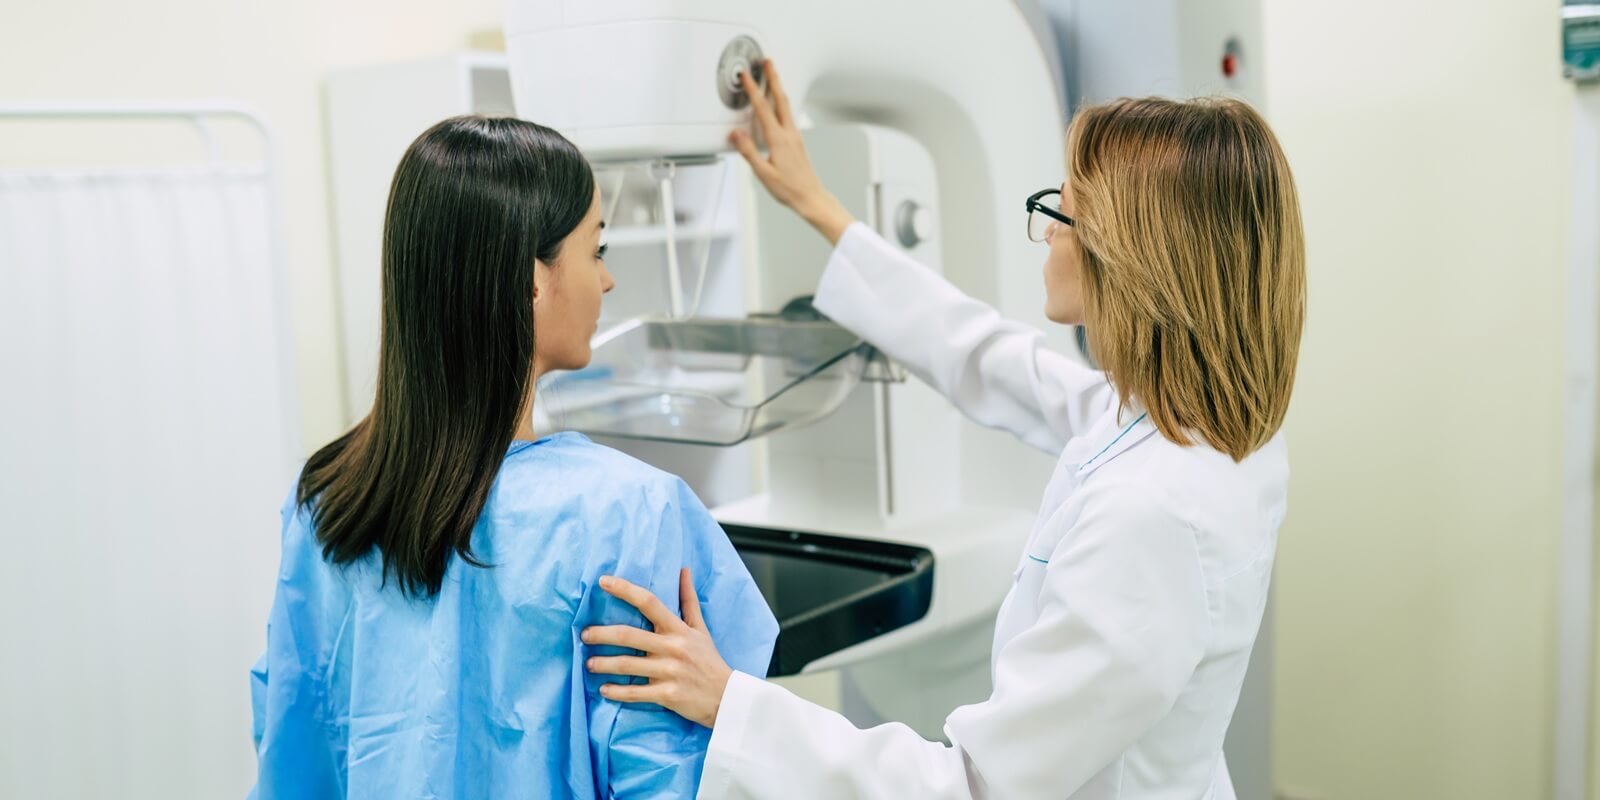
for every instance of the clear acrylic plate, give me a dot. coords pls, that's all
(709, 381)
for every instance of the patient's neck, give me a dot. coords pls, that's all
(525, 416)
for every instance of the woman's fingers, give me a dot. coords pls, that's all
(625, 636)
(686, 673)
(786, 170)
(648, 604)
(628, 665)
(763, 109)
(689, 600)
(631, 692)
(747, 148)
(780, 98)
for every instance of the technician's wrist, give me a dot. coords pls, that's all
(828, 216)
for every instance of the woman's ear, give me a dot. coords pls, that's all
(541, 273)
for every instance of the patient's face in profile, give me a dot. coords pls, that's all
(566, 296)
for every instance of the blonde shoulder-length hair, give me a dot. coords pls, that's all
(1188, 229)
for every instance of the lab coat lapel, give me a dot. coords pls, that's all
(1129, 426)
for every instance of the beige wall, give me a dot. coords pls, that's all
(272, 56)
(1431, 141)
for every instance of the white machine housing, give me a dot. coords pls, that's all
(637, 79)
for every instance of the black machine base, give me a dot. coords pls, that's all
(831, 592)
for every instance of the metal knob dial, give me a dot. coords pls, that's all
(913, 224)
(740, 55)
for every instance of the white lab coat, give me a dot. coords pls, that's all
(1121, 648)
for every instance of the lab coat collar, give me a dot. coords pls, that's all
(1117, 432)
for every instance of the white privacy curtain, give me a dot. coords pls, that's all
(147, 440)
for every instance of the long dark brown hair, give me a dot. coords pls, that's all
(475, 201)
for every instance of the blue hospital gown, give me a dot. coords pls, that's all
(480, 691)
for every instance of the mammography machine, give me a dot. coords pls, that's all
(883, 527)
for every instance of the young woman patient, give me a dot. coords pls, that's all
(439, 559)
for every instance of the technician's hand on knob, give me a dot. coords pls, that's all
(786, 170)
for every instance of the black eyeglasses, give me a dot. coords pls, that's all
(1042, 219)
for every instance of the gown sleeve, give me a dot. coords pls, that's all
(293, 753)
(643, 750)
